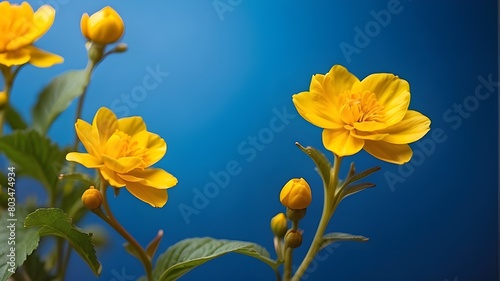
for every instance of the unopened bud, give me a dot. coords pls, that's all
(293, 239)
(92, 198)
(279, 225)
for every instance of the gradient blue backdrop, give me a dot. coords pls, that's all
(228, 74)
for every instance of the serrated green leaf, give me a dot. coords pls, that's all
(190, 253)
(55, 222)
(56, 97)
(333, 237)
(358, 176)
(14, 119)
(26, 240)
(356, 188)
(34, 155)
(322, 163)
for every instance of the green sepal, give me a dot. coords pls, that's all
(323, 166)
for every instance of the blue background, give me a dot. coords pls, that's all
(228, 71)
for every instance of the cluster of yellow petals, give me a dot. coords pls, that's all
(296, 194)
(371, 114)
(123, 151)
(20, 27)
(103, 27)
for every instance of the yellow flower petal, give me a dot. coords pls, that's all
(413, 127)
(157, 178)
(105, 124)
(396, 109)
(121, 165)
(43, 59)
(154, 197)
(131, 125)
(83, 25)
(112, 177)
(41, 21)
(369, 126)
(315, 108)
(386, 86)
(157, 147)
(392, 153)
(368, 136)
(341, 142)
(89, 140)
(85, 159)
(338, 80)
(16, 57)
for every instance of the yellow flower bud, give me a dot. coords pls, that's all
(279, 225)
(3, 99)
(293, 239)
(92, 198)
(296, 194)
(104, 27)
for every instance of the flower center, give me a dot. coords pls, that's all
(126, 146)
(12, 28)
(360, 107)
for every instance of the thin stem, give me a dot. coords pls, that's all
(9, 81)
(329, 205)
(111, 220)
(67, 256)
(278, 275)
(287, 274)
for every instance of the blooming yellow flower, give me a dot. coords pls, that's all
(296, 194)
(122, 150)
(371, 114)
(104, 27)
(20, 27)
(279, 225)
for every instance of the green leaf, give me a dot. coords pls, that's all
(356, 188)
(26, 240)
(34, 155)
(55, 222)
(190, 253)
(14, 119)
(359, 176)
(322, 163)
(56, 97)
(333, 237)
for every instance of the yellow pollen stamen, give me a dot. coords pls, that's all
(360, 107)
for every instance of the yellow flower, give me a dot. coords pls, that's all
(279, 225)
(92, 198)
(104, 27)
(371, 114)
(20, 27)
(122, 150)
(296, 194)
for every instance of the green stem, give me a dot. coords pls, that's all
(9, 76)
(111, 220)
(287, 272)
(329, 205)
